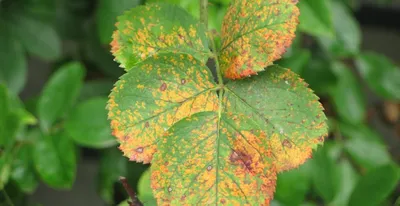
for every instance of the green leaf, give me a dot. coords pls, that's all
(375, 186)
(55, 160)
(361, 139)
(95, 88)
(23, 172)
(223, 2)
(348, 180)
(4, 110)
(43, 9)
(60, 93)
(142, 107)
(13, 64)
(297, 61)
(252, 137)
(112, 166)
(99, 55)
(319, 75)
(71, 18)
(153, 29)
(381, 75)
(292, 186)
(316, 18)
(5, 165)
(144, 189)
(347, 96)
(348, 33)
(192, 7)
(10, 120)
(106, 16)
(325, 173)
(254, 34)
(88, 126)
(37, 37)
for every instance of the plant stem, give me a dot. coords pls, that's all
(204, 13)
(215, 56)
(131, 193)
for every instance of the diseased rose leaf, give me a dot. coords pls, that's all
(157, 28)
(254, 34)
(267, 124)
(168, 88)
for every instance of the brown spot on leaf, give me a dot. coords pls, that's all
(209, 168)
(126, 137)
(222, 201)
(139, 149)
(241, 158)
(169, 189)
(147, 124)
(163, 87)
(286, 143)
(183, 81)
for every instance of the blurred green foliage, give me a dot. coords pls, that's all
(42, 138)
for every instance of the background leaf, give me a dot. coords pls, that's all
(60, 93)
(316, 18)
(318, 74)
(296, 61)
(106, 14)
(55, 160)
(325, 174)
(361, 139)
(348, 33)
(37, 37)
(144, 189)
(381, 75)
(88, 126)
(375, 186)
(12, 58)
(348, 179)
(112, 166)
(95, 88)
(100, 55)
(292, 186)
(347, 96)
(23, 172)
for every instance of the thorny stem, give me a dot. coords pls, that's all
(131, 193)
(204, 12)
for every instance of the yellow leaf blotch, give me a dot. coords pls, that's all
(155, 100)
(143, 32)
(196, 166)
(254, 34)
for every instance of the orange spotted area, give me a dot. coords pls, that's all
(267, 124)
(255, 33)
(148, 30)
(162, 90)
(203, 162)
(281, 105)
